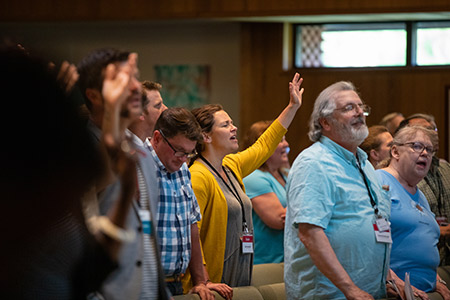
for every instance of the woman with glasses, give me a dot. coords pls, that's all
(226, 229)
(415, 232)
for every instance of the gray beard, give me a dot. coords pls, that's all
(352, 135)
(359, 135)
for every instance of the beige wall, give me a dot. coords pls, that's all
(212, 43)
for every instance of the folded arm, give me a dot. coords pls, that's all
(270, 210)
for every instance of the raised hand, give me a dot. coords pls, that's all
(67, 76)
(118, 85)
(295, 91)
(117, 81)
(295, 101)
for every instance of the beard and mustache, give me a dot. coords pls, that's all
(350, 133)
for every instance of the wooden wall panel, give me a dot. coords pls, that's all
(54, 10)
(264, 87)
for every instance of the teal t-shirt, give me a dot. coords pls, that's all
(269, 242)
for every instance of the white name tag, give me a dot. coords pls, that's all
(382, 224)
(247, 243)
(382, 236)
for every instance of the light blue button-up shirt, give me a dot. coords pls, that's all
(325, 188)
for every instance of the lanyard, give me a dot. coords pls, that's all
(372, 202)
(233, 190)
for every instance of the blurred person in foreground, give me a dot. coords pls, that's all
(140, 275)
(50, 253)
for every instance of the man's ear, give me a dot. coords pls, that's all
(156, 139)
(94, 96)
(325, 124)
(374, 155)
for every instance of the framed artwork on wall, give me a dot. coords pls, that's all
(184, 85)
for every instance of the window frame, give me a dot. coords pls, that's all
(411, 43)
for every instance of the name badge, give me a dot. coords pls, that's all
(247, 243)
(382, 231)
(146, 221)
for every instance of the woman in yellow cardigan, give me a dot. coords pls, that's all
(226, 226)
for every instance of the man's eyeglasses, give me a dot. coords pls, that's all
(419, 147)
(178, 153)
(352, 107)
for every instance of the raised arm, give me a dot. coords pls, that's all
(295, 101)
(115, 92)
(120, 156)
(323, 256)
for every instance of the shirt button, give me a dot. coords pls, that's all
(138, 263)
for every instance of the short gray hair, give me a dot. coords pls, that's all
(324, 107)
(406, 133)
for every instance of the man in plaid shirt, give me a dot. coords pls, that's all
(172, 144)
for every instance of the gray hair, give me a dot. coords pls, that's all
(324, 106)
(406, 133)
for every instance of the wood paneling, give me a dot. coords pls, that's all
(264, 87)
(53, 10)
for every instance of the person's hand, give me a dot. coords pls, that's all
(445, 230)
(401, 288)
(224, 290)
(67, 76)
(295, 91)
(116, 90)
(420, 294)
(391, 291)
(202, 291)
(117, 80)
(443, 290)
(357, 294)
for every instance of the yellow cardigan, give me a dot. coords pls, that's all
(212, 202)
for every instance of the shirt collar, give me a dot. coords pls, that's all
(344, 153)
(134, 138)
(149, 146)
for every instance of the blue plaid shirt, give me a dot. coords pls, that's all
(177, 210)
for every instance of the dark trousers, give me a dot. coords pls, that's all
(175, 287)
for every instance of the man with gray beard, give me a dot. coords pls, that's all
(337, 238)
